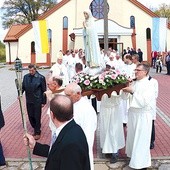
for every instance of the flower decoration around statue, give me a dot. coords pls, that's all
(105, 82)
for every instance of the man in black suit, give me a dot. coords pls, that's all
(70, 149)
(34, 86)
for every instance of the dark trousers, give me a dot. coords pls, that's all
(94, 103)
(153, 132)
(158, 68)
(153, 62)
(34, 115)
(168, 67)
(2, 158)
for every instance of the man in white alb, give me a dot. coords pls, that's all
(142, 105)
(60, 70)
(84, 115)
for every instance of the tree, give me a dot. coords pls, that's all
(2, 52)
(23, 11)
(163, 11)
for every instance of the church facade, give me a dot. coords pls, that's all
(130, 24)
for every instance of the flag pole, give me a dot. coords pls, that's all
(18, 82)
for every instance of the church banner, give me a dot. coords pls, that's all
(159, 34)
(41, 36)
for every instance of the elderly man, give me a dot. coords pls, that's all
(142, 105)
(55, 87)
(59, 69)
(69, 148)
(84, 115)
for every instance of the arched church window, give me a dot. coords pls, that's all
(148, 33)
(49, 35)
(132, 22)
(97, 8)
(65, 22)
(32, 47)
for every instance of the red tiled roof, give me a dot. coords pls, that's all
(14, 32)
(18, 30)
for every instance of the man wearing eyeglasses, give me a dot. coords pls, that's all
(142, 105)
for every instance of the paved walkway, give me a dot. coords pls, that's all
(12, 133)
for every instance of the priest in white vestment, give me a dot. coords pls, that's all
(110, 125)
(84, 115)
(142, 105)
(71, 66)
(59, 69)
(128, 69)
(154, 84)
(112, 60)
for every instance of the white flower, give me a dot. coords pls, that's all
(101, 81)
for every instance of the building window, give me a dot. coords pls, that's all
(148, 34)
(132, 22)
(49, 35)
(97, 8)
(65, 22)
(32, 47)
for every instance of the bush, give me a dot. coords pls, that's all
(2, 52)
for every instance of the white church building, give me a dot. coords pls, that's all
(130, 24)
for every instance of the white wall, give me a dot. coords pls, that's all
(168, 40)
(13, 51)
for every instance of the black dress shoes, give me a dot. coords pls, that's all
(114, 158)
(108, 155)
(2, 164)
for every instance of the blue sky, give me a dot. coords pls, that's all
(148, 3)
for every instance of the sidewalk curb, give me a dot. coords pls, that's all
(158, 163)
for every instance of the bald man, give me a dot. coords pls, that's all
(70, 149)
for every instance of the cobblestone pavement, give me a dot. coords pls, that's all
(16, 153)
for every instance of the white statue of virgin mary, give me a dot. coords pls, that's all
(91, 43)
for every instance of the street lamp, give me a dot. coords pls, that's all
(18, 82)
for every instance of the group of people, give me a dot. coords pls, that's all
(159, 60)
(73, 118)
(132, 51)
(76, 144)
(133, 108)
